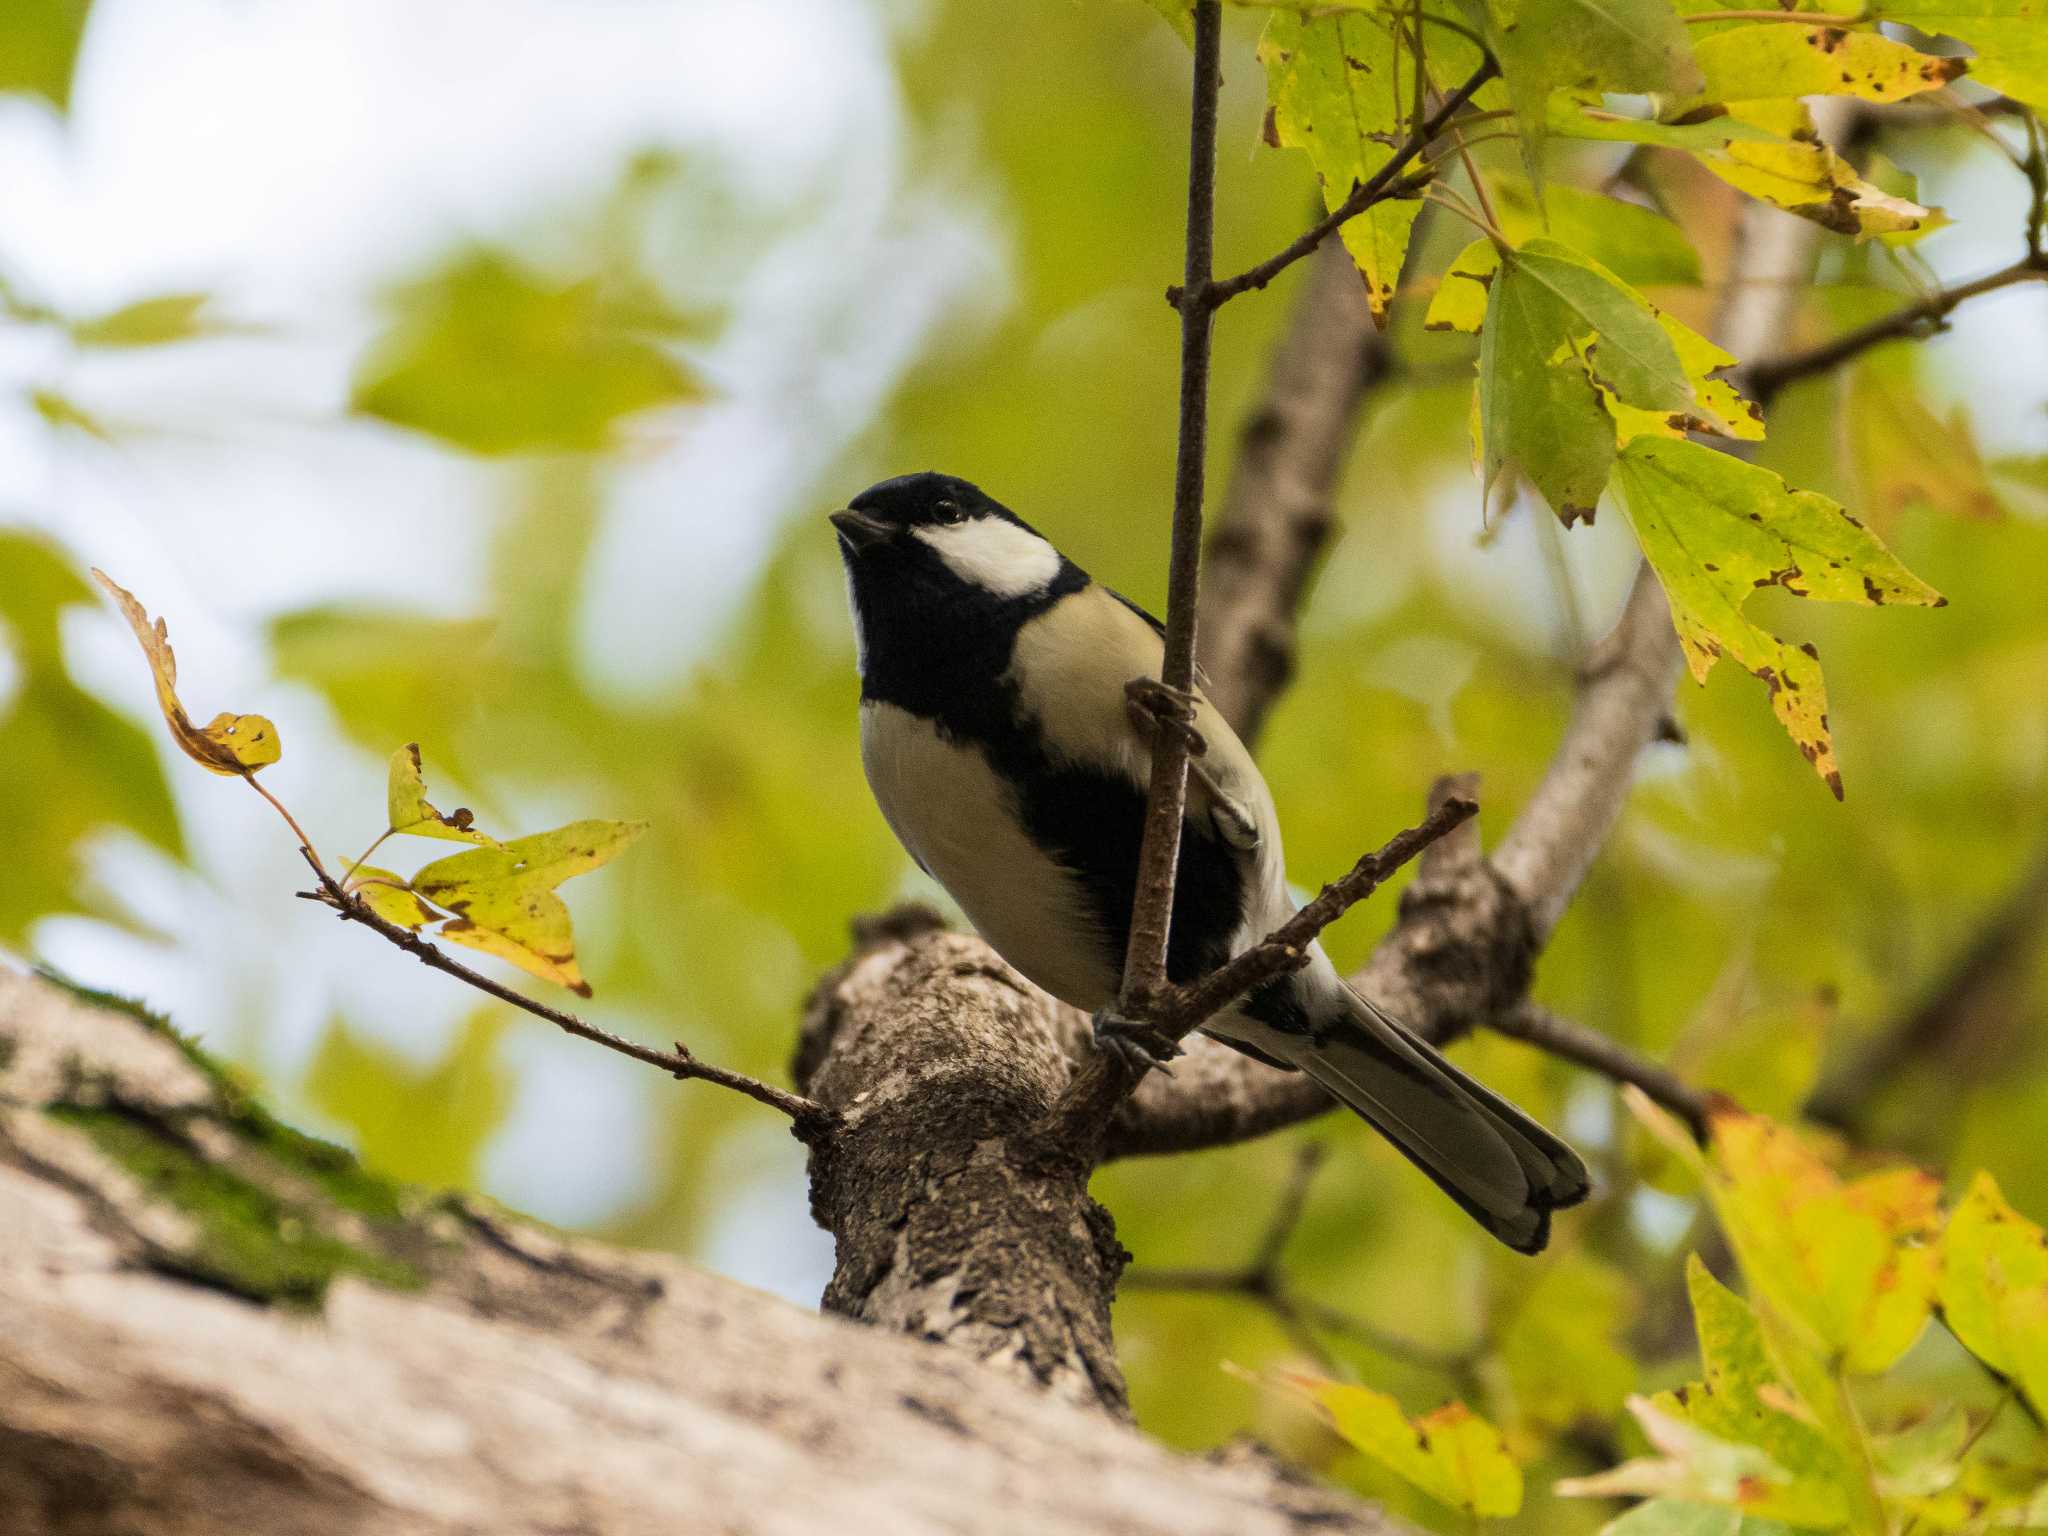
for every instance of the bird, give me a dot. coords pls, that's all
(1008, 708)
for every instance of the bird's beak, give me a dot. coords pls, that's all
(858, 530)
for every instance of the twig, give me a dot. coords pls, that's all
(1603, 1054)
(1078, 1123)
(1921, 318)
(2004, 940)
(1166, 801)
(1286, 947)
(808, 1116)
(1264, 1282)
(1382, 184)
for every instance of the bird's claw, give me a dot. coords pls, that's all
(1153, 704)
(1138, 1047)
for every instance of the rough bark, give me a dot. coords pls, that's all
(941, 1061)
(210, 1324)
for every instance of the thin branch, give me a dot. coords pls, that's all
(1166, 801)
(1922, 318)
(809, 1117)
(2004, 939)
(1265, 1283)
(1079, 1121)
(1384, 183)
(1601, 1053)
(1286, 947)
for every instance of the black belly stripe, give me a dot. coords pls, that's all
(949, 667)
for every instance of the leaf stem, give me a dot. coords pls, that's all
(364, 857)
(1384, 183)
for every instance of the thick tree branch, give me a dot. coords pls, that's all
(1384, 183)
(1277, 515)
(321, 1353)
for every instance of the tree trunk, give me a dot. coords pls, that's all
(209, 1323)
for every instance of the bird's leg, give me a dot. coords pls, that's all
(1152, 705)
(1138, 1046)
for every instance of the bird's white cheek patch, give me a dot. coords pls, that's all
(996, 556)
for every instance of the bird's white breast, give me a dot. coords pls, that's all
(959, 820)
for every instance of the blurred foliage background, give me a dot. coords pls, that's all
(476, 376)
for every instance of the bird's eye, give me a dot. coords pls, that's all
(948, 511)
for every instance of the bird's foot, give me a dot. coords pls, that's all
(1152, 705)
(1136, 1045)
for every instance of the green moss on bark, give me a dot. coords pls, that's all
(249, 1241)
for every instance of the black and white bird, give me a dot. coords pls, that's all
(1006, 754)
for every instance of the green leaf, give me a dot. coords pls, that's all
(154, 322)
(39, 46)
(1451, 1454)
(1994, 1287)
(409, 811)
(1773, 60)
(1339, 91)
(94, 769)
(1715, 530)
(2010, 38)
(1744, 1399)
(1617, 332)
(1597, 45)
(1637, 245)
(498, 359)
(504, 898)
(1538, 410)
(1559, 331)
(1718, 406)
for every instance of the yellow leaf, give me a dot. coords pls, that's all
(1814, 182)
(1719, 407)
(387, 895)
(231, 744)
(1460, 302)
(1994, 1287)
(503, 897)
(531, 957)
(1853, 1264)
(1450, 1453)
(410, 811)
(1776, 61)
(1715, 530)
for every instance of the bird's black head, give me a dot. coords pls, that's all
(934, 563)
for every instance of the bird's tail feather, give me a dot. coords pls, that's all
(1500, 1165)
